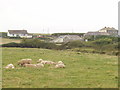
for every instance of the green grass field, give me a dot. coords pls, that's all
(82, 70)
(6, 40)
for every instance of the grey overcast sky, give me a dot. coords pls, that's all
(51, 16)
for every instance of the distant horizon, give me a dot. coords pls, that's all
(57, 32)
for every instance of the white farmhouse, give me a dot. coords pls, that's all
(18, 33)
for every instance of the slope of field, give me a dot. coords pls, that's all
(6, 40)
(82, 70)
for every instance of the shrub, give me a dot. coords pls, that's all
(58, 34)
(3, 34)
(18, 37)
(12, 44)
(36, 43)
(72, 44)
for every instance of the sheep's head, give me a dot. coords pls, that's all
(40, 60)
(60, 62)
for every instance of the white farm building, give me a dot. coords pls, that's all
(18, 33)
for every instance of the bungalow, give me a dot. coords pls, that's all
(19, 33)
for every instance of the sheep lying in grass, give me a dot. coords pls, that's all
(10, 66)
(39, 65)
(29, 65)
(60, 64)
(45, 61)
(39, 61)
(24, 61)
(48, 62)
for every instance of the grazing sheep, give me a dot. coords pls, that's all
(29, 65)
(24, 61)
(60, 66)
(10, 66)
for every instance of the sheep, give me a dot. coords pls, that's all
(39, 60)
(24, 61)
(10, 66)
(39, 65)
(60, 62)
(45, 61)
(29, 65)
(49, 62)
(60, 66)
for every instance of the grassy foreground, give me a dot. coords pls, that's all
(82, 70)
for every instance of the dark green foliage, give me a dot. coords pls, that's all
(18, 37)
(102, 45)
(3, 34)
(58, 34)
(12, 44)
(73, 44)
(92, 38)
(36, 43)
(31, 43)
(102, 42)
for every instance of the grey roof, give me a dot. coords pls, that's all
(70, 36)
(17, 31)
(96, 33)
(67, 38)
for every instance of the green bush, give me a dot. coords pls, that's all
(102, 41)
(3, 34)
(58, 34)
(31, 43)
(70, 45)
(12, 44)
(36, 43)
(18, 37)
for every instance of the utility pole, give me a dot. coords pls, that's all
(48, 31)
(72, 30)
(43, 30)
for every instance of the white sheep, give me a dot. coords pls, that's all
(10, 66)
(60, 62)
(60, 66)
(24, 61)
(50, 62)
(39, 65)
(45, 61)
(39, 61)
(29, 65)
